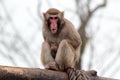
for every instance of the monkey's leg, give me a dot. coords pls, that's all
(46, 57)
(65, 57)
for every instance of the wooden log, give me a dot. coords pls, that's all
(18, 73)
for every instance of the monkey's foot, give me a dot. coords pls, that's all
(91, 73)
(74, 74)
(52, 66)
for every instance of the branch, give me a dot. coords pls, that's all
(100, 6)
(17, 73)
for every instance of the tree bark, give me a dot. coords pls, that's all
(84, 21)
(17, 73)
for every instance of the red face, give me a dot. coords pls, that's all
(53, 25)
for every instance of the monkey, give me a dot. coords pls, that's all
(62, 43)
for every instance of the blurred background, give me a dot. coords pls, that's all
(98, 22)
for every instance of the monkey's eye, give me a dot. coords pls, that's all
(56, 17)
(51, 18)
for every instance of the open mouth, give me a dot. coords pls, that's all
(54, 30)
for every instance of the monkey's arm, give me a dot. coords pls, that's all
(46, 57)
(74, 39)
(73, 36)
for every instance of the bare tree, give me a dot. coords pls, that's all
(85, 13)
(13, 42)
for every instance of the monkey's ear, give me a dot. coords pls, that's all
(62, 18)
(62, 13)
(44, 15)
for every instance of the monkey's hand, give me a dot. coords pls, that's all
(52, 66)
(53, 47)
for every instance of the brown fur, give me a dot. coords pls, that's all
(61, 50)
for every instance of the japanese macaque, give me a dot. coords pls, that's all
(62, 42)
